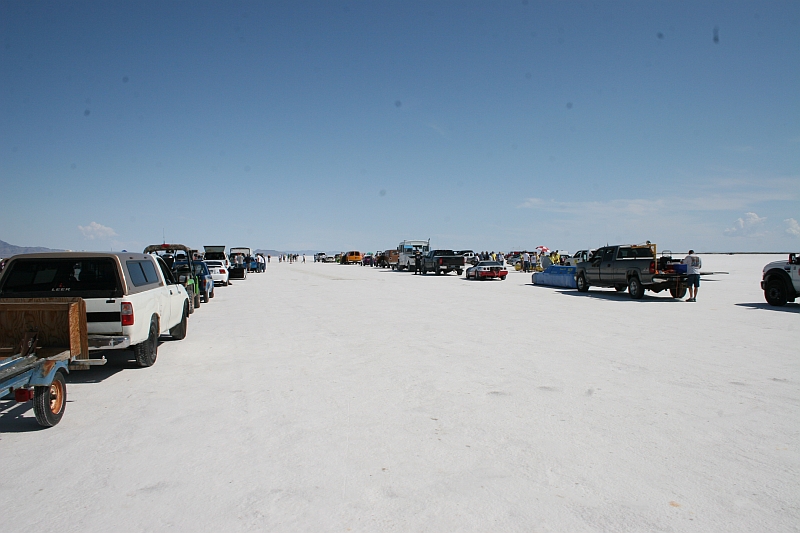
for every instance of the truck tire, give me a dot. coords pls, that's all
(580, 281)
(635, 288)
(459, 271)
(178, 331)
(190, 292)
(438, 272)
(677, 293)
(146, 352)
(197, 298)
(49, 402)
(205, 297)
(620, 288)
(775, 293)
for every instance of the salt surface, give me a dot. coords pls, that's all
(320, 397)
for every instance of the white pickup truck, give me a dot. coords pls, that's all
(130, 298)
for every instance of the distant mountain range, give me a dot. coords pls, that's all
(7, 250)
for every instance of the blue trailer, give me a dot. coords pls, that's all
(41, 340)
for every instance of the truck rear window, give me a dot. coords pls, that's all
(635, 253)
(39, 278)
(142, 272)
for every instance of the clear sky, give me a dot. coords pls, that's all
(353, 125)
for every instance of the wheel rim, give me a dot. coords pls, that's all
(56, 397)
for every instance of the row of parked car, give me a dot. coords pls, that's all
(632, 268)
(131, 298)
(59, 308)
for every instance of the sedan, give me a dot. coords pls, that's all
(487, 269)
(219, 272)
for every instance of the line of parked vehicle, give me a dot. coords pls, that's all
(634, 268)
(59, 308)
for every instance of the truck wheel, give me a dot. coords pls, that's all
(49, 402)
(147, 351)
(438, 272)
(620, 288)
(190, 291)
(459, 271)
(635, 288)
(580, 281)
(197, 298)
(211, 294)
(205, 297)
(178, 331)
(775, 293)
(678, 293)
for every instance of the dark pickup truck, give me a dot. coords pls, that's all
(442, 261)
(632, 267)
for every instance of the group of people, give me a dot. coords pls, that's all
(291, 258)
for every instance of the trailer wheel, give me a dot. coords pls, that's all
(49, 402)
(635, 288)
(178, 331)
(678, 293)
(147, 351)
(580, 281)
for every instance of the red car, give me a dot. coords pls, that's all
(487, 269)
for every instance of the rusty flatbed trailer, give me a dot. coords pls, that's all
(41, 340)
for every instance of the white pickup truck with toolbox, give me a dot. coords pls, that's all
(131, 299)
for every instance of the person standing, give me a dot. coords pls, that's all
(693, 265)
(526, 261)
(417, 262)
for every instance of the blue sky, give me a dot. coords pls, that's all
(340, 125)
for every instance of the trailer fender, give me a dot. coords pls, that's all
(43, 374)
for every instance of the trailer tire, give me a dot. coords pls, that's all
(635, 288)
(146, 352)
(178, 331)
(677, 293)
(581, 283)
(49, 402)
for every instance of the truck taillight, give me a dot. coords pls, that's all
(652, 267)
(440, 260)
(127, 313)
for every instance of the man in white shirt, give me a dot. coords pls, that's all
(693, 265)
